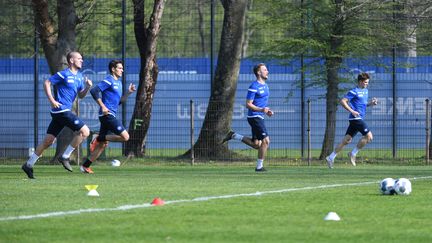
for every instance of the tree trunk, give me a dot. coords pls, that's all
(332, 66)
(411, 40)
(201, 27)
(248, 31)
(221, 102)
(333, 63)
(146, 38)
(56, 47)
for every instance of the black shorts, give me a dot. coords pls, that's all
(110, 124)
(356, 126)
(64, 119)
(259, 130)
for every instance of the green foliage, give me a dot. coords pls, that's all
(279, 29)
(16, 26)
(308, 28)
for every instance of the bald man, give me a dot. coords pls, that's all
(70, 83)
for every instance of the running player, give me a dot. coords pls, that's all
(108, 94)
(256, 102)
(355, 102)
(69, 83)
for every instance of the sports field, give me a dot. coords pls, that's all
(205, 203)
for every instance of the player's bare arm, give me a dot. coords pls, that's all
(266, 110)
(88, 85)
(374, 101)
(131, 89)
(47, 89)
(345, 105)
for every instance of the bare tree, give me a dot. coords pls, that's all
(146, 36)
(201, 26)
(219, 111)
(410, 14)
(248, 31)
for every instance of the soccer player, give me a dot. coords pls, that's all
(69, 83)
(355, 102)
(108, 94)
(256, 102)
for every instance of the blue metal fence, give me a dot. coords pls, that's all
(184, 79)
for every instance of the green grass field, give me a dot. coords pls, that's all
(291, 207)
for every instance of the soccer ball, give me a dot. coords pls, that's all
(115, 162)
(403, 186)
(386, 186)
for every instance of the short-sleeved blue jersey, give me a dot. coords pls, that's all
(259, 93)
(358, 100)
(68, 85)
(112, 91)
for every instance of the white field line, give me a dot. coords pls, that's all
(198, 199)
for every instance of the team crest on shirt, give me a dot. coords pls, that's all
(362, 94)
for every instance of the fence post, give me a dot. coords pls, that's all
(192, 126)
(36, 90)
(212, 41)
(309, 131)
(123, 58)
(428, 120)
(78, 149)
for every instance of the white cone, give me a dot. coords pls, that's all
(332, 216)
(93, 193)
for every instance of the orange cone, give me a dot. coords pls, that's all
(157, 202)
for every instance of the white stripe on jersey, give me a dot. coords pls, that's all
(252, 90)
(59, 74)
(109, 113)
(256, 116)
(106, 81)
(55, 112)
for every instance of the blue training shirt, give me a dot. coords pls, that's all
(259, 93)
(112, 91)
(68, 85)
(358, 100)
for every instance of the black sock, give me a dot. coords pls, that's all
(101, 138)
(87, 163)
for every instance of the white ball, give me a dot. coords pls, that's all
(403, 186)
(115, 162)
(386, 186)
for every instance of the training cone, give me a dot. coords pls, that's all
(332, 216)
(158, 202)
(93, 193)
(92, 190)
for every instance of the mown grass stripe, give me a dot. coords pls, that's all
(198, 199)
